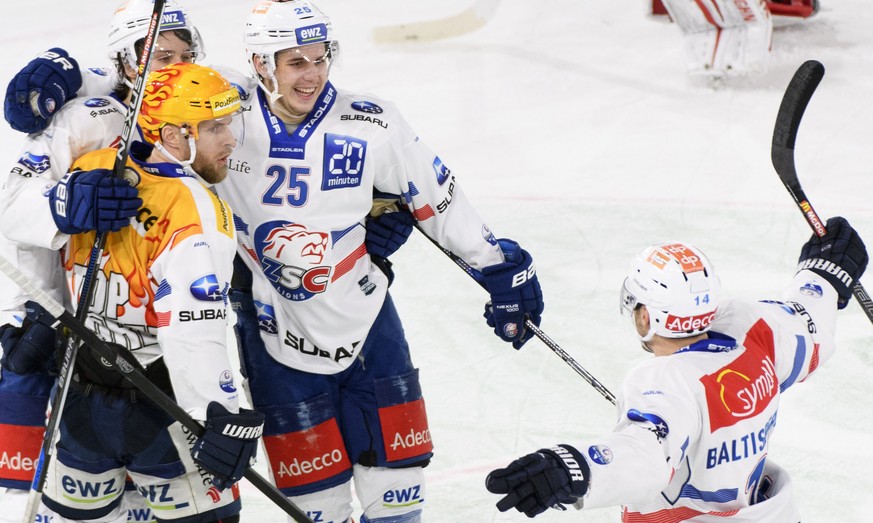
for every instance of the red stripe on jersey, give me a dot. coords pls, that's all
(670, 515)
(813, 361)
(348, 262)
(424, 213)
(19, 446)
(164, 318)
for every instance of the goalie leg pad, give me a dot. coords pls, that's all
(723, 36)
(23, 404)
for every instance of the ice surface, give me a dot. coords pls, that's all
(575, 131)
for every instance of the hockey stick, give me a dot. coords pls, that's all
(587, 376)
(67, 367)
(153, 392)
(794, 102)
(467, 21)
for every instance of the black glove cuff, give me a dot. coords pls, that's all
(835, 275)
(575, 465)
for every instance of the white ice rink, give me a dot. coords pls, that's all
(573, 128)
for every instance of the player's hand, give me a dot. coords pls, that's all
(41, 88)
(93, 201)
(516, 295)
(30, 348)
(548, 478)
(839, 256)
(229, 445)
(388, 232)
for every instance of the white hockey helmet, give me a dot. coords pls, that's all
(276, 25)
(676, 283)
(131, 21)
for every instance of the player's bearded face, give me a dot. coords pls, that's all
(216, 140)
(301, 73)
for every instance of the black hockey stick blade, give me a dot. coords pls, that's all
(794, 102)
(797, 96)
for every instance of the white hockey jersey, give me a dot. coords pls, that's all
(301, 197)
(692, 438)
(29, 237)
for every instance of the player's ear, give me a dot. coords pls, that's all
(642, 320)
(260, 68)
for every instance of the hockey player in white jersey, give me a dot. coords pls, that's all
(695, 421)
(82, 125)
(321, 342)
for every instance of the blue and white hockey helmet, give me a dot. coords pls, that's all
(131, 22)
(676, 283)
(276, 25)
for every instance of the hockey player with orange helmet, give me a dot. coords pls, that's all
(170, 270)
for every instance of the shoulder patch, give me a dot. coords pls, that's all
(96, 102)
(366, 107)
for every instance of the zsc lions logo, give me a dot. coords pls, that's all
(291, 258)
(206, 289)
(36, 162)
(266, 317)
(366, 107)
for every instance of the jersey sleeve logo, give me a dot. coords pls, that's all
(366, 107)
(266, 318)
(206, 289)
(36, 162)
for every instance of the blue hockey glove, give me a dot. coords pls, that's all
(388, 232)
(41, 88)
(515, 294)
(29, 349)
(93, 201)
(839, 256)
(229, 445)
(545, 479)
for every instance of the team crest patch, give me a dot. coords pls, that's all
(292, 258)
(366, 107)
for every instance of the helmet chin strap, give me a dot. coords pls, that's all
(186, 164)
